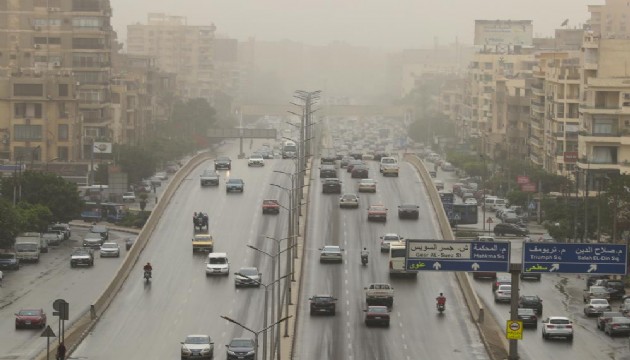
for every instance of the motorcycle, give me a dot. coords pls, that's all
(441, 307)
(364, 259)
(147, 275)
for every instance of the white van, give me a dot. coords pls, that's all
(217, 264)
(488, 202)
(397, 251)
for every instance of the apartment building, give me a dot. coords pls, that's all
(179, 48)
(510, 123)
(611, 20)
(54, 68)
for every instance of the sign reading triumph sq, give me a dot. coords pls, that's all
(438, 255)
(574, 258)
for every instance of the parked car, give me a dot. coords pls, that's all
(9, 261)
(557, 326)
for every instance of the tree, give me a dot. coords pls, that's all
(60, 196)
(9, 224)
(137, 162)
(33, 217)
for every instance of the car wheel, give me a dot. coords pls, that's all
(544, 336)
(312, 312)
(496, 301)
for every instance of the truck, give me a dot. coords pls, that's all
(389, 166)
(28, 246)
(379, 294)
(202, 242)
(270, 206)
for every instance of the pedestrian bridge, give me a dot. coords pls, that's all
(251, 111)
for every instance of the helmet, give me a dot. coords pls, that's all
(364, 248)
(441, 294)
(149, 264)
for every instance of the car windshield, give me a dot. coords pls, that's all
(382, 310)
(217, 261)
(29, 313)
(92, 236)
(525, 311)
(391, 237)
(98, 229)
(109, 246)
(331, 249)
(367, 182)
(530, 299)
(349, 197)
(249, 271)
(377, 208)
(241, 343)
(197, 340)
(505, 287)
(234, 181)
(322, 299)
(599, 302)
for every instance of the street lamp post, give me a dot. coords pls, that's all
(266, 286)
(256, 333)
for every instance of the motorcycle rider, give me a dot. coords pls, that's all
(148, 268)
(441, 300)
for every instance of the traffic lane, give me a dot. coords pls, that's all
(561, 294)
(362, 342)
(151, 320)
(37, 285)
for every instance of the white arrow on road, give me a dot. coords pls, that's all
(591, 268)
(554, 267)
(437, 266)
(475, 266)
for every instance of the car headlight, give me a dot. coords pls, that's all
(205, 351)
(186, 351)
(250, 352)
(230, 352)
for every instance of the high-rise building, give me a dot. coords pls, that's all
(55, 68)
(179, 48)
(611, 20)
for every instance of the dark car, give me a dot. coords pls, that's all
(377, 315)
(323, 304)
(331, 185)
(102, 230)
(528, 317)
(26, 318)
(241, 349)
(327, 171)
(617, 326)
(93, 240)
(82, 256)
(605, 317)
(345, 161)
(616, 288)
(222, 163)
(408, 211)
(352, 164)
(530, 275)
(379, 155)
(9, 261)
(591, 279)
(531, 302)
(328, 159)
(234, 185)
(509, 229)
(360, 172)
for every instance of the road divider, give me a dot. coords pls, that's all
(496, 347)
(79, 329)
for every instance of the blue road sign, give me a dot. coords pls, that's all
(574, 258)
(446, 255)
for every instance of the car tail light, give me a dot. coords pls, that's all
(568, 326)
(615, 326)
(532, 317)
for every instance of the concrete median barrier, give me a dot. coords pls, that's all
(493, 338)
(79, 328)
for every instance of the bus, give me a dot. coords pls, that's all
(95, 212)
(289, 150)
(397, 253)
(464, 214)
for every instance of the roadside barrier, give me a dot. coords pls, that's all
(79, 329)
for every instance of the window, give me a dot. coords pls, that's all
(90, 77)
(27, 110)
(27, 132)
(47, 41)
(85, 5)
(63, 89)
(63, 131)
(46, 22)
(604, 155)
(87, 22)
(28, 90)
(62, 152)
(88, 43)
(63, 113)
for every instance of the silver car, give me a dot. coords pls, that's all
(388, 239)
(110, 249)
(503, 293)
(247, 276)
(331, 253)
(197, 347)
(349, 200)
(596, 307)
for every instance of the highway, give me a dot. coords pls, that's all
(150, 321)
(37, 285)
(417, 331)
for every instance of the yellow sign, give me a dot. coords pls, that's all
(514, 330)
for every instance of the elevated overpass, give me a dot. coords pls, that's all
(254, 111)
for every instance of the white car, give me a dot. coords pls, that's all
(388, 239)
(197, 347)
(349, 200)
(503, 293)
(367, 185)
(129, 197)
(218, 264)
(162, 175)
(557, 326)
(331, 253)
(256, 160)
(471, 201)
(109, 249)
(596, 307)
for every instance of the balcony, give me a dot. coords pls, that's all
(537, 108)
(603, 110)
(590, 66)
(538, 91)
(534, 141)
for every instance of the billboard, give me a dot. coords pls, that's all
(504, 32)
(102, 148)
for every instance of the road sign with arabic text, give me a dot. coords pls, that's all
(445, 255)
(574, 258)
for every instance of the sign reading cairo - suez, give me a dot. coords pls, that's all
(446, 255)
(574, 258)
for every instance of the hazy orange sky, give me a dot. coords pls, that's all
(375, 23)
